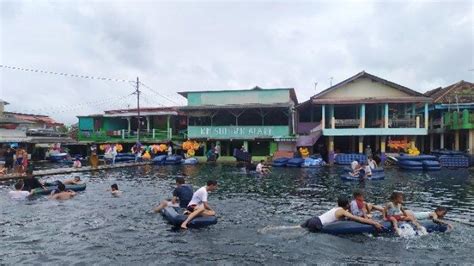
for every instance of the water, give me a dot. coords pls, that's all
(95, 227)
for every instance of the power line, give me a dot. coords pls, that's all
(68, 107)
(63, 74)
(156, 92)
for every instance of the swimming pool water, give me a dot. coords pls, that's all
(95, 227)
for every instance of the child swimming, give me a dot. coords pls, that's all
(437, 215)
(394, 212)
(115, 190)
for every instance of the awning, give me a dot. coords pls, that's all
(308, 140)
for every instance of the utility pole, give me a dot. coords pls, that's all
(137, 91)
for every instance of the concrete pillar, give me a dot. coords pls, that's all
(386, 115)
(471, 141)
(422, 144)
(382, 148)
(362, 116)
(431, 142)
(168, 127)
(441, 141)
(417, 122)
(129, 125)
(147, 124)
(331, 150)
(220, 150)
(361, 144)
(426, 116)
(352, 144)
(323, 116)
(456, 140)
(377, 143)
(246, 145)
(331, 116)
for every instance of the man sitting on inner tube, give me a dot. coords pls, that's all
(198, 205)
(317, 223)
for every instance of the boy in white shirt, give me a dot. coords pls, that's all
(18, 193)
(198, 204)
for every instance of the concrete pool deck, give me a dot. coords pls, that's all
(68, 170)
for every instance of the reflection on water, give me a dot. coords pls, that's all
(98, 228)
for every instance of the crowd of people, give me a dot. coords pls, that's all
(16, 161)
(363, 170)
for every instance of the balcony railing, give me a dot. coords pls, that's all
(125, 136)
(459, 120)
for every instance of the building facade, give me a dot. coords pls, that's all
(161, 124)
(261, 120)
(364, 110)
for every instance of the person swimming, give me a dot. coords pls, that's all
(61, 193)
(115, 190)
(436, 216)
(19, 193)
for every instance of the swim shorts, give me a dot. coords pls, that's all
(313, 224)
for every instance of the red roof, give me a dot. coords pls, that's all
(41, 119)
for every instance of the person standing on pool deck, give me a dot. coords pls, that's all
(182, 195)
(317, 223)
(9, 154)
(198, 204)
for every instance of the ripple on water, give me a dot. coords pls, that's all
(98, 228)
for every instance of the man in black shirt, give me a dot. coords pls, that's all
(182, 195)
(31, 182)
(9, 158)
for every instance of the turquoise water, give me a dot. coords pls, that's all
(95, 227)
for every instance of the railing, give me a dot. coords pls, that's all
(125, 136)
(459, 120)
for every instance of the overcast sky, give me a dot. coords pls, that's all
(178, 46)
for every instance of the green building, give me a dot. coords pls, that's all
(261, 120)
(452, 118)
(121, 126)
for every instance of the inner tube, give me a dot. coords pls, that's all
(49, 189)
(405, 157)
(378, 169)
(415, 168)
(190, 161)
(281, 160)
(295, 162)
(409, 163)
(176, 217)
(432, 168)
(276, 164)
(375, 176)
(351, 227)
(173, 159)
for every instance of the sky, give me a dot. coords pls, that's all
(215, 45)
